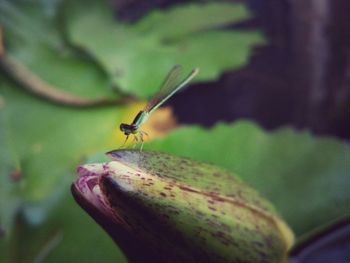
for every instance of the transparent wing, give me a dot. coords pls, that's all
(169, 87)
(169, 84)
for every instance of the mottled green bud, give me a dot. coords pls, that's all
(162, 208)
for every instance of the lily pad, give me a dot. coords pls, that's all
(137, 56)
(34, 39)
(67, 235)
(41, 142)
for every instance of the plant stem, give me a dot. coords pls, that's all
(35, 85)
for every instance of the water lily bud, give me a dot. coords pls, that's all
(163, 208)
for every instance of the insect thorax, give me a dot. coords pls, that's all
(140, 118)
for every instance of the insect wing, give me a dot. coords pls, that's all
(169, 84)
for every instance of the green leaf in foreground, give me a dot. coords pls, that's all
(305, 177)
(45, 156)
(46, 144)
(137, 56)
(172, 209)
(42, 143)
(68, 235)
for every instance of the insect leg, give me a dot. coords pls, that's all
(145, 133)
(141, 138)
(126, 139)
(136, 140)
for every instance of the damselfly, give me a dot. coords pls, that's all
(169, 87)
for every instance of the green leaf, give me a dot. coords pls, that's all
(34, 39)
(68, 235)
(9, 174)
(305, 177)
(40, 142)
(48, 142)
(138, 56)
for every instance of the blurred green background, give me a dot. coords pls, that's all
(88, 50)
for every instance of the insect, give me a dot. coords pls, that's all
(170, 86)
